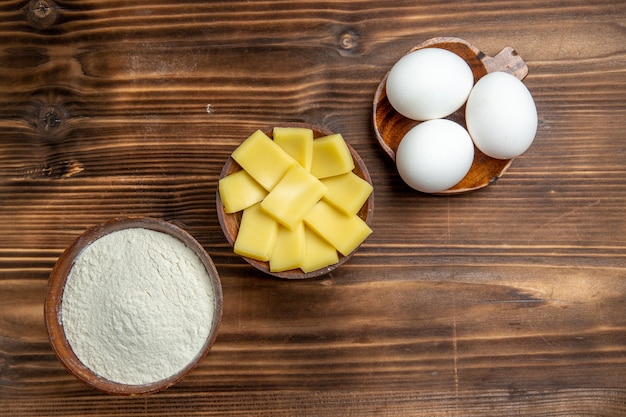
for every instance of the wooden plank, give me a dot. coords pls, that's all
(504, 301)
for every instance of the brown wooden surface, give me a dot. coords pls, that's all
(505, 301)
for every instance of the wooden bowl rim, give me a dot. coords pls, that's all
(506, 60)
(56, 286)
(366, 212)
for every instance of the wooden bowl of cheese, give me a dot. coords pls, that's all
(295, 201)
(133, 305)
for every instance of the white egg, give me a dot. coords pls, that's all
(434, 155)
(429, 83)
(501, 116)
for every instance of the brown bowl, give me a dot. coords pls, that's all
(54, 298)
(390, 126)
(230, 221)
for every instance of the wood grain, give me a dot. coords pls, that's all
(504, 301)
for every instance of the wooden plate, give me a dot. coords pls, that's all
(54, 297)
(390, 126)
(230, 221)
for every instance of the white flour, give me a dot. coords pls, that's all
(138, 306)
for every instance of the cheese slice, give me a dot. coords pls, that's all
(344, 232)
(263, 159)
(239, 191)
(318, 253)
(297, 142)
(331, 156)
(288, 249)
(257, 234)
(347, 192)
(293, 196)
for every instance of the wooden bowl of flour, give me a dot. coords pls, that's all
(133, 305)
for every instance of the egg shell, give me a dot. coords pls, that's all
(501, 116)
(434, 155)
(429, 83)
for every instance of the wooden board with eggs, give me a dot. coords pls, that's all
(452, 117)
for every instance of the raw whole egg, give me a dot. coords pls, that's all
(501, 116)
(429, 83)
(434, 155)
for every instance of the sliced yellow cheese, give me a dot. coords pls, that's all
(293, 196)
(288, 249)
(297, 142)
(331, 156)
(347, 192)
(263, 159)
(344, 232)
(257, 234)
(239, 191)
(318, 253)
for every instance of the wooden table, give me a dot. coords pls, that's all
(505, 301)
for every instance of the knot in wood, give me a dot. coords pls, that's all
(51, 119)
(42, 13)
(348, 40)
